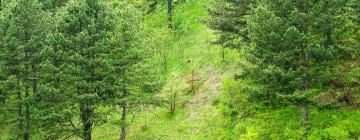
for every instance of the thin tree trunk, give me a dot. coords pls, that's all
(171, 104)
(123, 122)
(170, 26)
(172, 100)
(27, 99)
(305, 82)
(20, 113)
(304, 113)
(192, 81)
(123, 112)
(27, 114)
(85, 113)
(303, 105)
(34, 80)
(174, 103)
(305, 88)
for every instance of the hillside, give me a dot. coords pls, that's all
(195, 112)
(179, 70)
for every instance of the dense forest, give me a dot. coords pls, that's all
(179, 69)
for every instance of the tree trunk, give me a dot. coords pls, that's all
(172, 100)
(303, 105)
(27, 99)
(27, 114)
(34, 80)
(174, 103)
(305, 82)
(123, 112)
(170, 26)
(123, 122)
(304, 113)
(20, 114)
(85, 113)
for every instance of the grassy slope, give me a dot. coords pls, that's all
(194, 115)
(199, 116)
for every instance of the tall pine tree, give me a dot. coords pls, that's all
(133, 72)
(76, 69)
(296, 46)
(23, 29)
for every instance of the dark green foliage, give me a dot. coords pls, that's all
(69, 66)
(298, 52)
(22, 30)
(76, 69)
(133, 73)
(53, 4)
(300, 44)
(228, 17)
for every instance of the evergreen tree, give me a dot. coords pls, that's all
(296, 47)
(133, 73)
(22, 30)
(57, 106)
(76, 69)
(228, 17)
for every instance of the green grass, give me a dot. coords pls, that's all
(212, 120)
(194, 45)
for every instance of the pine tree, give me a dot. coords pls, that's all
(133, 75)
(228, 17)
(57, 106)
(86, 25)
(296, 47)
(76, 69)
(22, 28)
